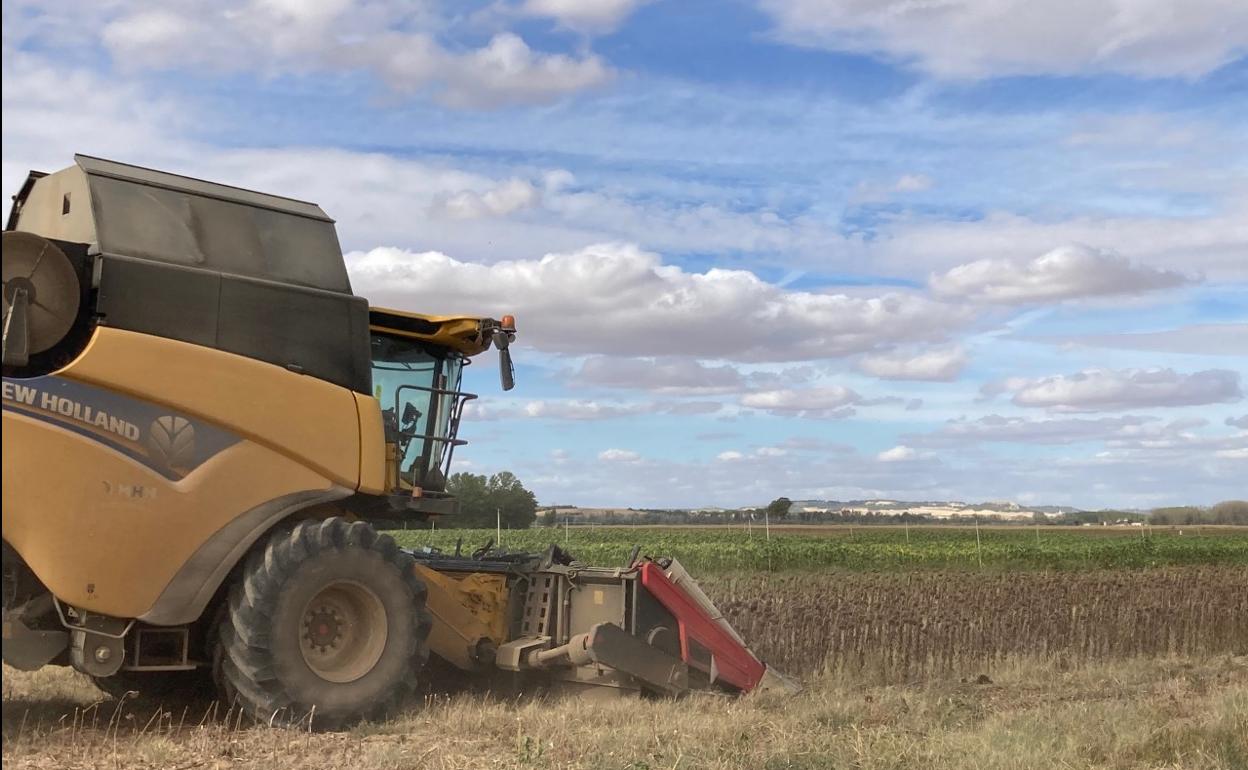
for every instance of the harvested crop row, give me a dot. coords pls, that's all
(912, 624)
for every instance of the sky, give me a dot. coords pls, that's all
(827, 249)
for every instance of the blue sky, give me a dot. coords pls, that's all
(978, 250)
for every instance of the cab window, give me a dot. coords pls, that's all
(418, 388)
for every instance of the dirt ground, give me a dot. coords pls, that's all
(1190, 714)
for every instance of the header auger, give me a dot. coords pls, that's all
(205, 429)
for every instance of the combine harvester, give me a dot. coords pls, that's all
(204, 430)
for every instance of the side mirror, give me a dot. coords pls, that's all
(410, 414)
(506, 370)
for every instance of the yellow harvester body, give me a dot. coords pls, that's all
(115, 519)
(206, 432)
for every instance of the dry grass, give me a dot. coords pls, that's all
(1173, 713)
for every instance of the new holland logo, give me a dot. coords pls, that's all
(171, 442)
(173, 445)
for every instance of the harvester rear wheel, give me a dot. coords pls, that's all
(327, 625)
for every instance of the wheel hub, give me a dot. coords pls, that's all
(322, 628)
(343, 632)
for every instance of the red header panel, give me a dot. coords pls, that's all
(733, 663)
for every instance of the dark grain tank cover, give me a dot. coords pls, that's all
(169, 218)
(210, 264)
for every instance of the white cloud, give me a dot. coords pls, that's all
(1145, 464)
(770, 451)
(1197, 339)
(897, 454)
(619, 300)
(619, 456)
(832, 401)
(986, 38)
(52, 111)
(808, 444)
(877, 192)
(394, 40)
(1028, 431)
(584, 15)
(1067, 272)
(680, 376)
(572, 409)
(912, 183)
(498, 200)
(1139, 449)
(937, 364)
(1146, 130)
(1111, 390)
(1238, 422)
(670, 375)
(698, 225)
(690, 408)
(378, 197)
(719, 435)
(1148, 450)
(1212, 243)
(504, 72)
(582, 410)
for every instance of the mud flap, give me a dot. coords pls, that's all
(28, 649)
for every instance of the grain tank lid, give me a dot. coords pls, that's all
(161, 217)
(146, 176)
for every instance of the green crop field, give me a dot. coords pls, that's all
(719, 549)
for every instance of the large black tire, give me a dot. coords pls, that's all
(326, 626)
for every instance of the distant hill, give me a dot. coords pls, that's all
(938, 509)
(817, 510)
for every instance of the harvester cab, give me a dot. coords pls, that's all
(206, 428)
(417, 373)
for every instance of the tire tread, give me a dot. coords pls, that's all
(247, 668)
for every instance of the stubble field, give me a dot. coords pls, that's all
(928, 648)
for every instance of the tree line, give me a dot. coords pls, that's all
(485, 501)
(1226, 512)
(501, 497)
